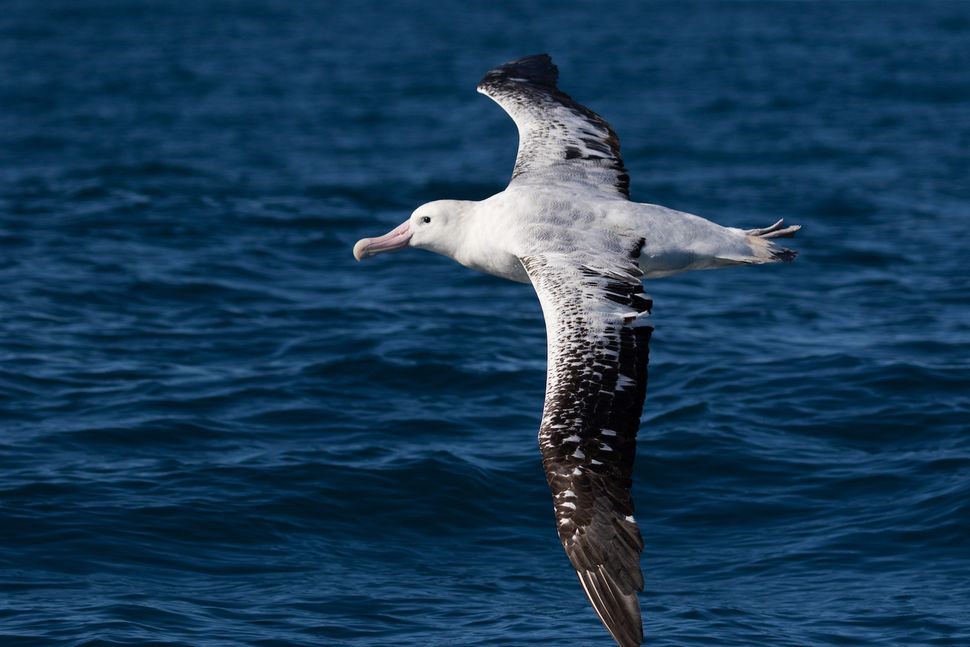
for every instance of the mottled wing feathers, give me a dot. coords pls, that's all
(559, 139)
(595, 387)
(537, 70)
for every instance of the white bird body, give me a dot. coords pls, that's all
(493, 234)
(565, 224)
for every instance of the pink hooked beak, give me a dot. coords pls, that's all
(397, 238)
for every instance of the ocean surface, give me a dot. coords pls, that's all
(217, 429)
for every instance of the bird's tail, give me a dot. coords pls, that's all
(764, 250)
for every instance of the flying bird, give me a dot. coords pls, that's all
(566, 225)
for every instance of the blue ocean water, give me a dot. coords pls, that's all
(217, 429)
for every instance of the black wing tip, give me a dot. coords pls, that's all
(619, 612)
(537, 70)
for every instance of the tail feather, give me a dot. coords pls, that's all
(783, 254)
(765, 251)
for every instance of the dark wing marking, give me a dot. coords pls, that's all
(559, 139)
(595, 386)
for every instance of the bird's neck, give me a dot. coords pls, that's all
(482, 245)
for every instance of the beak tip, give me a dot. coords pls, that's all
(359, 249)
(397, 238)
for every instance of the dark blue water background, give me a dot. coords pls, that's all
(217, 429)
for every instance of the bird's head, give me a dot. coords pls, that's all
(434, 226)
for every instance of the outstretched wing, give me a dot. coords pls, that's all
(595, 386)
(560, 141)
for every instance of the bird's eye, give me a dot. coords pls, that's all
(426, 219)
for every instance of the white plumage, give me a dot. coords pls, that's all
(565, 224)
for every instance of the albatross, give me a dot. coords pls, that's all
(566, 225)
